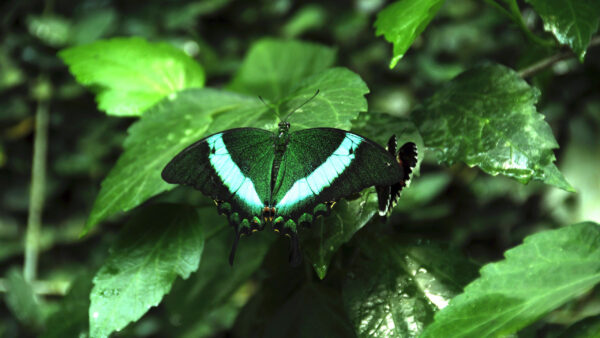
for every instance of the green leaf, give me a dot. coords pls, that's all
(71, 319)
(92, 26)
(340, 99)
(328, 234)
(403, 21)
(51, 29)
(572, 22)
(22, 300)
(131, 75)
(160, 243)
(588, 327)
(311, 17)
(313, 311)
(272, 68)
(193, 300)
(155, 139)
(547, 270)
(486, 117)
(394, 287)
(281, 280)
(380, 126)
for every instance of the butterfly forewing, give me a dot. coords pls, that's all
(233, 166)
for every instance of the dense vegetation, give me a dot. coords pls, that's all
(495, 235)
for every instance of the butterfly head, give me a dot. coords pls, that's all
(284, 126)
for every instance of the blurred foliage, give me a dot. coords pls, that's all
(360, 276)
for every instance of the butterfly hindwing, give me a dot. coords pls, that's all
(322, 165)
(232, 166)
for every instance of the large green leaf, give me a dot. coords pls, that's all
(273, 68)
(572, 22)
(155, 139)
(547, 270)
(394, 287)
(160, 243)
(328, 234)
(130, 74)
(403, 21)
(341, 97)
(486, 117)
(192, 301)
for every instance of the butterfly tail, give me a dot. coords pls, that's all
(234, 247)
(295, 256)
(406, 157)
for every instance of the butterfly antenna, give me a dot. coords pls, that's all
(263, 101)
(300, 106)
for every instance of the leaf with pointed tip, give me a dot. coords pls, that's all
(572, 22)
(341, 97)
(156, 138)
(329, 233)
(536, 277)
(131, 75)
(160, 243)
(272, 68)
(403, 21)
(486, 117)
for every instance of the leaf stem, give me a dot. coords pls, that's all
(514, 13)
(549, 61)
(42, 287)
(501, 9)
(36, 196)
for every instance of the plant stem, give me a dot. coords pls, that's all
(40, 287)
(501, 9)
(37, 191)
(549, 61)
(514, 14)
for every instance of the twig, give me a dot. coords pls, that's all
(36, 197)
(549, 61)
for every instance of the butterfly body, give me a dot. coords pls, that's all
(287, 179)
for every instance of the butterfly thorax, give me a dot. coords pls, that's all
(280, 144)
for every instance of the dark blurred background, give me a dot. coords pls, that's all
(480, 214)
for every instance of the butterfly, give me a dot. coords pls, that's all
(287, 179)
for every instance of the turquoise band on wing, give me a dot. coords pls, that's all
(323, 176)
(230, 173)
